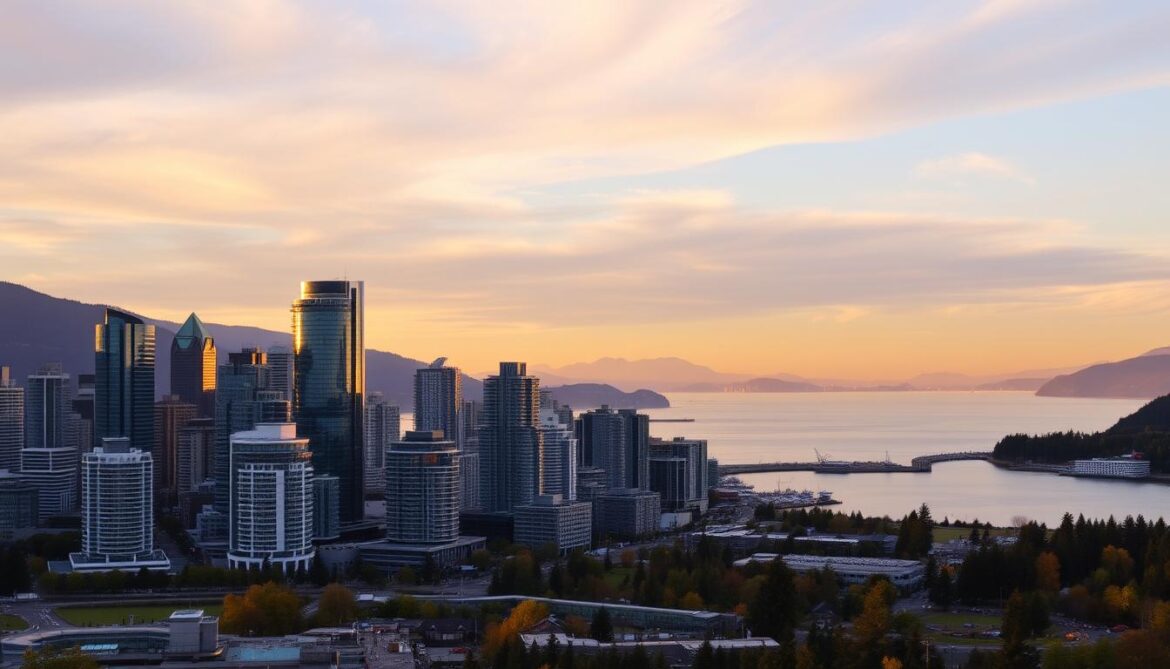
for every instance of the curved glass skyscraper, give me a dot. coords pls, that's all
(329, 383)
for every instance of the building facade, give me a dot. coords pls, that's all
(280, 370)
(510, 444)
(11, 421)
(19, 502)
(117, 516)
(124, 360)
(685, 491)
(422, 489)
(559, 455)
(626, 513)
(53, 472)
(326, 514)
(236, 409)
(619, 443)
(271, 510)
(193, 366)
(438, 401)
(329, 384)
(383, 427)
(49, 421)
(553, 519)
(196, 455)
(171, 415)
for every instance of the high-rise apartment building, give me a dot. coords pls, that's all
(618, 442)
(326, 515)
(509, 439)
(422, 489)
(171, 415)
(550, 519)
(196, 454)
(53, 472)
(18, 506)
(11, 421)
(329, 384)
(83, 411)
(280, 370)
(117, 513)
(271, 509)
(383, 427)
(438, 401)
(124, 361)
(49, 421)
(678, 472)
(238, 384)
(193, 366)
(559, 455)
(469, 460)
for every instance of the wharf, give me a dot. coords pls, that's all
(920, 464)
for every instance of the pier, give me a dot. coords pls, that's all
(920, 464)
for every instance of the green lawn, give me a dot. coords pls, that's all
(9, 622)
(616, 575)
(961, 629)
(120, 615)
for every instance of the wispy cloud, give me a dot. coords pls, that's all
(971, 165)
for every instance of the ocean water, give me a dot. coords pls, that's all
(768, 427)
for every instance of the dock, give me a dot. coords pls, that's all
(920, 464)
(672, 420)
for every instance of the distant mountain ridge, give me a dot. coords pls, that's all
(1144, 377)
(585, 396)
(36, 328)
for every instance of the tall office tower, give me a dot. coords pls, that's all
(48, 409)
(560, 455)
(422, 489)
(117, 514)
(509, 439)
(11, 421)
(329, 384)
(196, 454)
(171, 415)
(618, 442)
(271, 499)
(272, 407)
(193, 366)
(237, 386)
(383, 427)
(124, 379)
(53, 472)
(280, 370)
(83, 414)
(687, 491)
(438, 401)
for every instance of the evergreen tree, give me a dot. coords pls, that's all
(602, 627)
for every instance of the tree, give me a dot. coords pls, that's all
(523, 616)
(337, 606)
(407, 576)
(50, 658)
(602, 627)
(263, 610)
(1048, 572)
(772, 612)
(876, 619)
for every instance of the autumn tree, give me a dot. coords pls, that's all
(1048, 572)
(524, 615)
(263, 610)
(337, 606)
(51, 658)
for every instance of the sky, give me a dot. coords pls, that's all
(833, 189)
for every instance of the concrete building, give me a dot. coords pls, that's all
(422, 489)
(18, 506)
(712, 473)
(193, 366)
(592, 482)
(53, 472)
(438, 401)
(236, 410)
(626, 513)
(469, 465)
(11, 421)
(196, 454)
(329, 384)
(280, 371)
(271, 508)
(553, 519)
(117, 516)
(171, 415)
(124, 359)
(49, 421)
(678, 472)
(559, 456)
(510, 441)
(383, 427)
(906, 575)
(83, 413)
(619, 443)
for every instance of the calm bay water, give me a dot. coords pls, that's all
(768, 427)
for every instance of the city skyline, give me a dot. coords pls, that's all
(840, 191)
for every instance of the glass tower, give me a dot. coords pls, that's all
(124, 380)
(239, 384)
(510, 441)
(193, 366)
(329, 383)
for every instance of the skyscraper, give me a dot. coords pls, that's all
(196, 454)
(193, 366)
(117, 514)
(83, 409)
(438, 401)
(171, 415)
(422, 489)
(53, 472)
(685, 491)
(280, 370)
(469, 460)
(329, 384)
(48, 410)
(560, 455)
(124, 379)
(271, 498)
(11, 421)
(618, 442)
(237, 386)
(383, 427)
(509, 439)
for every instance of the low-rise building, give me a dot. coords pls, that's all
(552, 519)
(627, 513)
(906, 575)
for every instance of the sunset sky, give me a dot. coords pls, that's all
(849, 189)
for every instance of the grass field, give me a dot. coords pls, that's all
(120, 615)
(9, 622)
(961, 629)
(616, 575)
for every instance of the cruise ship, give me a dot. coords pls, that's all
(1130, 466)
